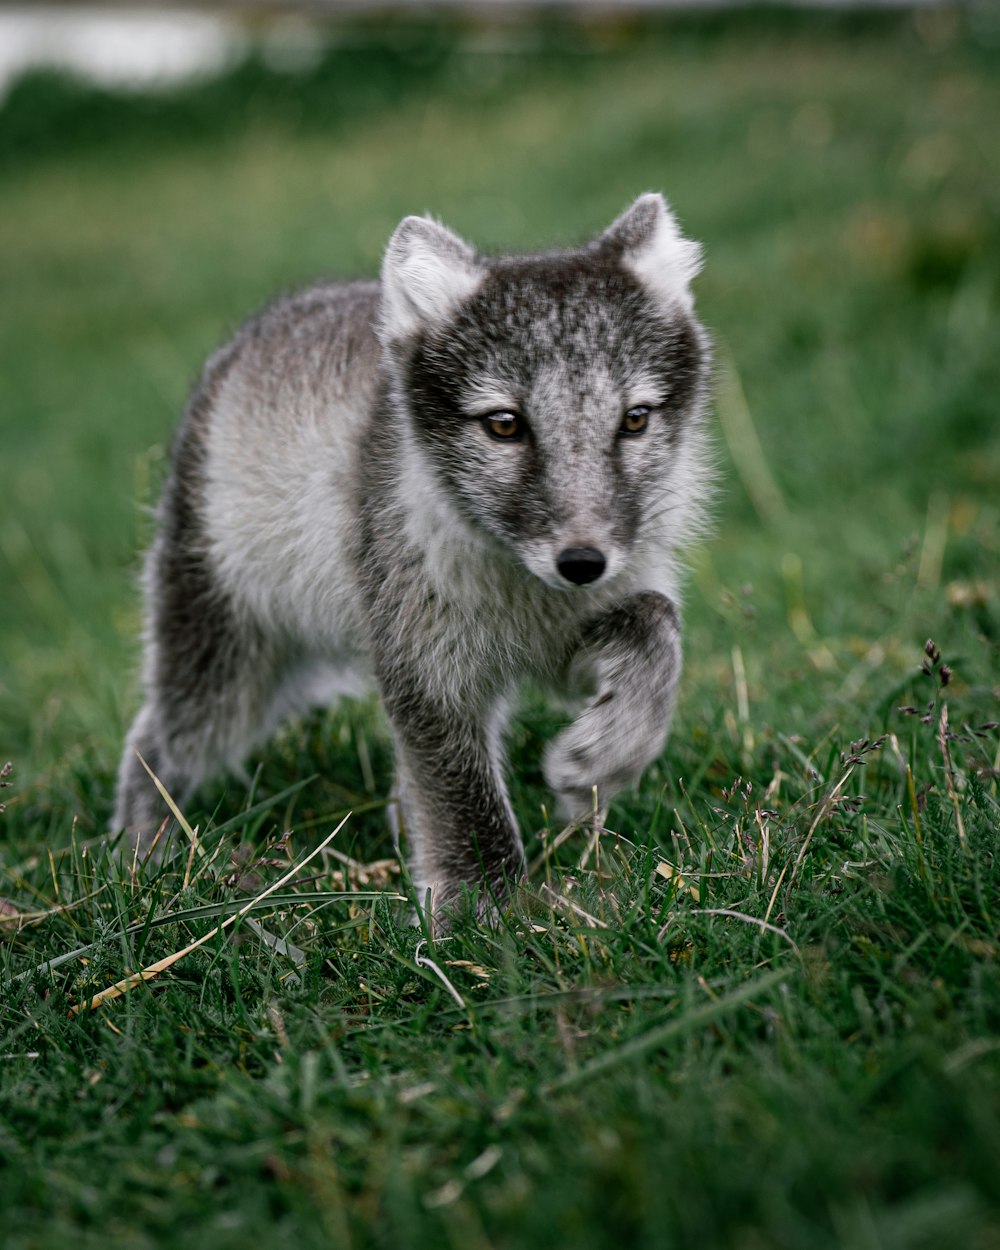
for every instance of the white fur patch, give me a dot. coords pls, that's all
(426, 273)
(483, 396)
(643, 387)
(656, 251)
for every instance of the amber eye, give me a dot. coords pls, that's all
(506, 427)
(635, 420)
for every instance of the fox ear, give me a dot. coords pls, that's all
(651, 245)
(426, 273)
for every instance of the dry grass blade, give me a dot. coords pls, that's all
(176, 812)
(161, 965)
(746, 447)
(949, 772)
(742, 915)
(423, 962)
(562, 903)
(11, 918)
(552, 845)
(823, 808)
(282, 946)
(318, 898)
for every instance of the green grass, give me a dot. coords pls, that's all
(763, 1008)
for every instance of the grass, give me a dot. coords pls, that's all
(762, 1008)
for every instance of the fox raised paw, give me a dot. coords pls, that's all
(635, 652)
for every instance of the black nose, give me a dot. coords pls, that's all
(580, 565)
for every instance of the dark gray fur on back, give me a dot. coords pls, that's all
(476, 472)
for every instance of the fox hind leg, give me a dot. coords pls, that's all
(210, 679)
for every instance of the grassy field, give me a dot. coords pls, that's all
(761, 1006)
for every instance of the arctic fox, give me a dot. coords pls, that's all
(474, 472)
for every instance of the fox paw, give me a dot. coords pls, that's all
(608, 746)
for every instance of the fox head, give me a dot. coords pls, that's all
(557, 398)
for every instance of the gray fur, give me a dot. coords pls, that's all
(339, 512)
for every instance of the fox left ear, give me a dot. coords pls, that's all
(426, 273)
(651, 245)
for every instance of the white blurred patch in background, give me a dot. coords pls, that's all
(118, 48)
(148, 48)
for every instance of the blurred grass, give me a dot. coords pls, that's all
(848, 206)
(842, 173)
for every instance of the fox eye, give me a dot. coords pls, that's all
(635, 421)
(505, 427)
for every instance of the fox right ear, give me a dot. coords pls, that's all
(650, 243)
(426, 273)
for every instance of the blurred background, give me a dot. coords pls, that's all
(164, 170)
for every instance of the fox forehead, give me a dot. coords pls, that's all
(583, 319)
(570, 304)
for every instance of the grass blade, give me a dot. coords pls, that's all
(650, 1040)
(161, 965)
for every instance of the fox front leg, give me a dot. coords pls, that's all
(634, 652)
(453, 804)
